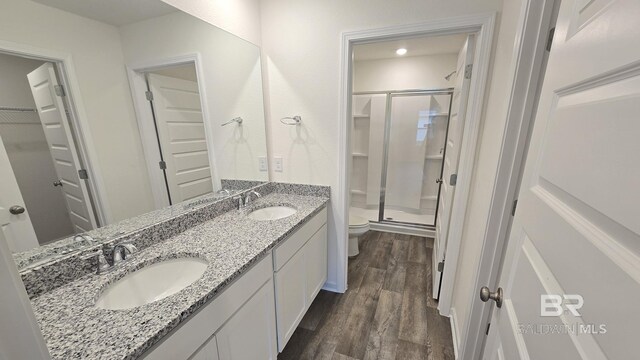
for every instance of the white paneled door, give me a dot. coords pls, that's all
(571, 271)
(451, 157)
(57, 130)
(181, 132)
(14, 216)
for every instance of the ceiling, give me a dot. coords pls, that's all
(113, 12)
(428, 45)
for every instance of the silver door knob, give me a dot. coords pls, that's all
(16, 209)
(486, 295)
(57, 183)
(439, 181)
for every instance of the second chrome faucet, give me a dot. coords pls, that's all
(246, 200)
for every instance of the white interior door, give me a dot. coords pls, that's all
(575, 237)
(451, 157)
(17, 228)
(43, 83)
(181, 131)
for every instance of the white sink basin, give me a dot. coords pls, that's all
(152, 283)
(272, 213)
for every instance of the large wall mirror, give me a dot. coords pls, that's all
(111, 109)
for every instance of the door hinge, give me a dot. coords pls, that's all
(550, 38)
(513, 209)
(467, 71)
(453, 179)
(441, 266)
(59, 89)
(163, 165)
(488, 326)
(149, 95)
(83, 174)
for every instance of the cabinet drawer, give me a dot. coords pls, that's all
(295, 241)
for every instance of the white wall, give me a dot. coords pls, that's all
(486, 163)
(301, 55)
(104, 97)
(231, 79)
(239, 17)
(28, 152)
(411, 72)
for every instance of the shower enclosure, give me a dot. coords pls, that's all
(398, 145)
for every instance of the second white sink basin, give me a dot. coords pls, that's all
(272, 213)
(152, 283)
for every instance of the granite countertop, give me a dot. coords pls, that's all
(74, 328)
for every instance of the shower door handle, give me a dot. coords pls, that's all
(439, 181)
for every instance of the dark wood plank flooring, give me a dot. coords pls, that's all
(385, 314)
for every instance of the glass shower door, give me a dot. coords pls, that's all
(415, 137)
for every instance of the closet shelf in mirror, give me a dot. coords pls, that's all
(434, 157)
(361, 116)
(358, 192)
(358, 154)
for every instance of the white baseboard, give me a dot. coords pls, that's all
(331, 286)
(454, 331)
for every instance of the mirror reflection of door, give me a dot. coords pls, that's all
(180, 131)
(42, 189)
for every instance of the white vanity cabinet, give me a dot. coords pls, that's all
(300, 265)
(239, 324)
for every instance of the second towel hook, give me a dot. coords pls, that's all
(296, 120)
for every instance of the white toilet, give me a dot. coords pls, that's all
(357, 227)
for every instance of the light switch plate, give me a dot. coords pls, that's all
(277, 163)
(262, 163)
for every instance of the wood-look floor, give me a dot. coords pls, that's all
(385, 314)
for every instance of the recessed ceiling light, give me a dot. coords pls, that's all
(401, 51)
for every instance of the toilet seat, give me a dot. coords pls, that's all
(357, 221)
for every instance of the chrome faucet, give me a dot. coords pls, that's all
(246, 200)
(103, 265)
(120, 252)
(247, 197)
(83, 238)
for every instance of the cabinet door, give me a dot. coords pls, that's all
(208, 351)
(290, 296)
(251, 332)
(316, 261)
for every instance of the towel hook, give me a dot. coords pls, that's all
(296, 120)
(238, 120)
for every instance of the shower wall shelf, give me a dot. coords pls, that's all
(361, 116)
(356, 154)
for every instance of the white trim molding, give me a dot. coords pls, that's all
(525, 74)
(481, 24)
(455, 333)
(85, 144)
